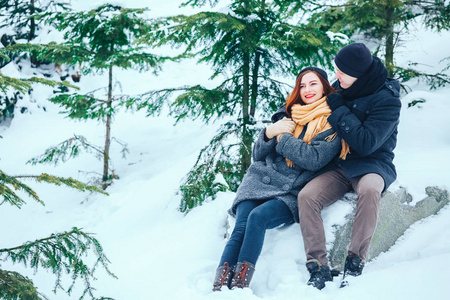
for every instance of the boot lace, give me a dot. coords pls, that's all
(240, 277)
(224, 276)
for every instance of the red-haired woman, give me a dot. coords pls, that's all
(286, 156)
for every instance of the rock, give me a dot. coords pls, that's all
(396, 215)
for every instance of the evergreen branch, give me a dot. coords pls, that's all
(15, 286)
(433, 80)
(216, 144)
(76, 54)
(82, 106)
(8, 183)
(66, 150)
(277, 82)
(9, 195)
(3, 56)
(23, 85)
(70, 54)
(195, 102)
(196, 32)
(124, 145)
(152, 101)
(70, 182)
(199, 3)
(199, 102)
(20, 85)
(132, 58)
(199, 184)
(448, 65)
(62, 253)
(103, 37)
(52, 83)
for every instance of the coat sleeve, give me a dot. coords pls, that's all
(279, 114)
(263, 146)
(366, 137)
(312, 156)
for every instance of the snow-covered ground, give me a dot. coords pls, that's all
(159, 253)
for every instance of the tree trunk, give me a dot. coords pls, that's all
(255, 82)
(246, 145)
(108, 132)
(32, 22)
(389, 55)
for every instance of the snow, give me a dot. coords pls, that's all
(158, 252)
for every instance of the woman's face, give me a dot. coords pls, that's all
(311, 88)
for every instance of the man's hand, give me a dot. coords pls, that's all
(335, 101)
(285, 125)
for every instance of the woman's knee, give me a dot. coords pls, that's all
(267, 212)
(258, 216)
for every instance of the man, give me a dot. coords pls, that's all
(365, 113)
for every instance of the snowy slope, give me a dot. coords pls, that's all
(158, 253)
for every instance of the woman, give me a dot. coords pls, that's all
(286, 156)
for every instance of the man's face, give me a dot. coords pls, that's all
(345, 80)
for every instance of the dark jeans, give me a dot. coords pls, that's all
(252, 220)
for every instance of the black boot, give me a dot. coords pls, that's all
(243, 275)
(353, 267)
(224, 274)
(319, 274)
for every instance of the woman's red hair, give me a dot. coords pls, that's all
(294, 97)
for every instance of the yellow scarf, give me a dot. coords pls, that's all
(315, 115)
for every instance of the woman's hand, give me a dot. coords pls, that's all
(285, 125)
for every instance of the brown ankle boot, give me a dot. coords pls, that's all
(243, 275)
(223, 277)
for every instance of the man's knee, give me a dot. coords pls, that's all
(369, 198)
(308, 198)
(370, 187)
(371, 192)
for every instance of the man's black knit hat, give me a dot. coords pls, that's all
(318, 70)
(354, 59)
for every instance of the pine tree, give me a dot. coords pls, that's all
(19, 17)
(60, 253)
(386, 21)
(248, 46)
(12, 88)
(99, 40)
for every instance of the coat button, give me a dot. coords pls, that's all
(347, 128)
(266, 179)
(342, 123)
(354, 105)
(286, 187)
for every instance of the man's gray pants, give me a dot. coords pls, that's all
(324, 190)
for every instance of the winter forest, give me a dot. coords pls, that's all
(126, 128)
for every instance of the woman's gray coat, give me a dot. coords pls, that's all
(269, 176)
